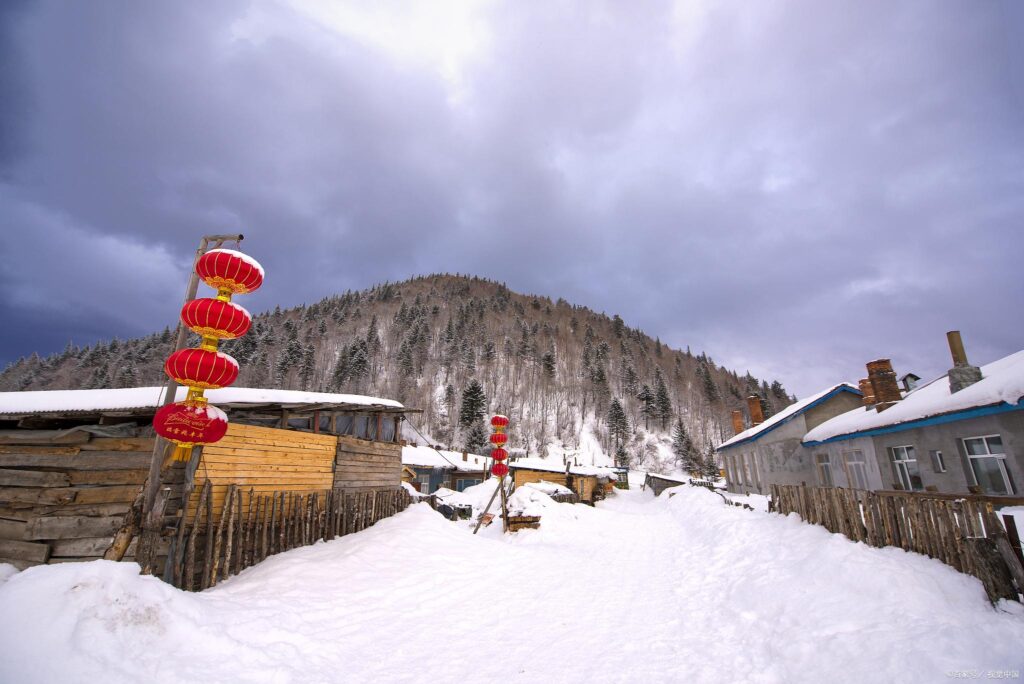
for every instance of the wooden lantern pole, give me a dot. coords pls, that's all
(147, 509)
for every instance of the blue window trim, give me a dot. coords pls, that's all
(953, 417)
(802, 411)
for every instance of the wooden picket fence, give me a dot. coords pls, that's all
(209, 548)
(961, 531)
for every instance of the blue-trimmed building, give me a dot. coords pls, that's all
(771, 452)
(961, 433)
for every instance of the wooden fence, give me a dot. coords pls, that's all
(961, 531)
(209, 548)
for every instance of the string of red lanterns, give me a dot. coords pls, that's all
(194, 422)
(499, 439)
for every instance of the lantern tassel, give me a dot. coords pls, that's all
(182, 453)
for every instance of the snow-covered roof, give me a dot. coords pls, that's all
(555, 467)
(427, 457)
(65, 401)
(1000, 389)
(681, 479)
(787, 414)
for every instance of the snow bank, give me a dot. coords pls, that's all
(549, 488)
(638, 589)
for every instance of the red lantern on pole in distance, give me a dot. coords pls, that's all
(499, 422)
(498, 439)
(216, 318)
(190, 423)
(201, 368)
(499, 454)
(499, 469)
(226, 269)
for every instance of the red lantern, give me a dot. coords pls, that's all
(499, 454)
(499, 469)
(216, 318)
(226, 269)
(190, 423)
(499, 422)
(499, 438)
(201, 368)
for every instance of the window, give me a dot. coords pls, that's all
(388, 429)
(824, 470)
(461, 483)
(741, 465)
(904, 463)
(300, 423)
(938, 463)
(757, 470)
(424, 482)
(343, 424)
(856, 469)
(747, 467)
(988, 463)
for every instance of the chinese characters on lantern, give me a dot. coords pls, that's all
(193, 421)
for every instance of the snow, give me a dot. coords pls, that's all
(150, 397)
(783, 415)
(549, 488)
(243, 256)
(1002, 383)
(428, 457)
(638, 589)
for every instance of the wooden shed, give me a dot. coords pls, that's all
(73, 463)
(590, 483)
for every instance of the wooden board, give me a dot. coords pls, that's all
(264, 460)
(526, 476)
(32, 552)
(73, 527)
(32, 478)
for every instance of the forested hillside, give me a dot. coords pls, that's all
(573, 382)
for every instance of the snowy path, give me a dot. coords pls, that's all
(637, 590)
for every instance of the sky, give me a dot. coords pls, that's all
(795, 188)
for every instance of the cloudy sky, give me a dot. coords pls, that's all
(794, 187)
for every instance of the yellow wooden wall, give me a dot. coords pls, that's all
(524, 476)
(265, 460)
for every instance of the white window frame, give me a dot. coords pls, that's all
(938, 460)
(860, 467)
(1000, 459)
(757, 470)
(821, 471)
(902, 467)
(741, 465)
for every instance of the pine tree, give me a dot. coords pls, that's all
(474, 404)
(308, 366)
(647, 405)
(662, 401)
(476, 438)
(682, 447)
(618, 424)
(621, 457)
(548, 365)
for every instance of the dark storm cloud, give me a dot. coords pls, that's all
(795, 188)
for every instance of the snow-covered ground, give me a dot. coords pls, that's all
(636, 590)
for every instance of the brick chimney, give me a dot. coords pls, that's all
(962, 374)
(465, 456)
(754, 406)
(869, 394)
(737, 422)
(883, 384)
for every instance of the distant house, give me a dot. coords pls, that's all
(589, 483)
(963, 432)
(659, 483)
(770, 452)
(435, 468)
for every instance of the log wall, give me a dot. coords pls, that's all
(364, 465)
(64, 494)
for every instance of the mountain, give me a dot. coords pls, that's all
(573, 382)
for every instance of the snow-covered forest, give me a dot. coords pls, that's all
(574, 382)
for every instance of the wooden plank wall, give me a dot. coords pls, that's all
(365, 465)
(963, 532)
(62, 496)
(265, 460)
(521, 477)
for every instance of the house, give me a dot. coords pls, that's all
(659, 483)
(770, 451)
(961, 433)
(75, 461)
(434, 468)
(590, 483)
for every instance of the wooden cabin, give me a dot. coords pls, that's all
(72, 463)
(658, 483)
(590, 483)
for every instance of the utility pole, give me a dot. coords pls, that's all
(148, 509)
